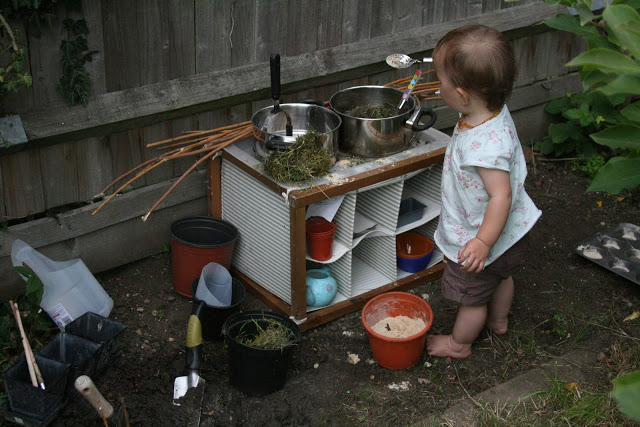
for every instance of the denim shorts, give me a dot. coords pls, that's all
(476, 289)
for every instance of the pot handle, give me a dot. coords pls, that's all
(274, 63)
(413, 122)
(312, 101)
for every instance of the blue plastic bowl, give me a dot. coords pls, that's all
(413, 265)
(420, 247)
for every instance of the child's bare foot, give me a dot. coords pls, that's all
(498, 327)
(443, 346)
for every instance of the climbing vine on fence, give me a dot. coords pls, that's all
(74, 85)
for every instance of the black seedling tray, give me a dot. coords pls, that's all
(106, 332)
(76, 351)
(86, 347)
(23, 399)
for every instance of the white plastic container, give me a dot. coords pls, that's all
(70, 290)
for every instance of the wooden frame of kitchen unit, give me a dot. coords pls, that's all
(298, 201)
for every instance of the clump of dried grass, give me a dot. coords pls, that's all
(305, 160)
(268, 334)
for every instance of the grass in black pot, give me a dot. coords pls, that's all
(266, 334)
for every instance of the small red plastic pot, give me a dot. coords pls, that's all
(320, 237)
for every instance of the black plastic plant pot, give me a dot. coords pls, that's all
(254, 371)
(212, 318)
(32, 404)
(76, 351)
(102, 330)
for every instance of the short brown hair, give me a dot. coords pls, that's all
(479, 59)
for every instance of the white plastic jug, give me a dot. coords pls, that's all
(70, 290)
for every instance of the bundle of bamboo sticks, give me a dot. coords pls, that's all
(32, 365)
(425, 91)
(208, 142)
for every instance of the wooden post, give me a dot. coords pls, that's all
(297, 227)
(214, 186)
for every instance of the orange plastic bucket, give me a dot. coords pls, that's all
(195, 242)
(396, 353)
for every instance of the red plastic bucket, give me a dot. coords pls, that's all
(195, 242)
(320, 237)
(396, 353)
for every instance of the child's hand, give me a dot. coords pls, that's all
(473, 255)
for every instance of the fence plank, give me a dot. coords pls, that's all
(330, 26)
(303, 36)
(92, 11)
(120, 29)
(356, 15)
(95, 170)
(23, 189)
(213, 51)
(58, 167)
(126, 154)
(243, 15)
(44, 55)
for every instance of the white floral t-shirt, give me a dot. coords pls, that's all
(491, 145)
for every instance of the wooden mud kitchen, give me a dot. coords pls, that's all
(271, 257)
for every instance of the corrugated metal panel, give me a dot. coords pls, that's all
(380, 254)
(341, 271)
(381, 205)
(344, 220)
(428, 229)
(365, 278)
(427, 184)
(262, 251)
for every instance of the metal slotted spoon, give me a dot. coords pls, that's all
(400, 60)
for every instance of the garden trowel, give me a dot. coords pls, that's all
(192, 380)
(87, 388)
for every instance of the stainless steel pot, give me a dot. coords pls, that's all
(270, 130)
(377, 137)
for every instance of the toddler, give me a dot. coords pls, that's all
(486, 213)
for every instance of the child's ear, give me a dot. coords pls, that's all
(463, 95)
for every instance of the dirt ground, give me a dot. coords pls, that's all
(562, 302)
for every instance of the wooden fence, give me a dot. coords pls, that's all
(164, 67)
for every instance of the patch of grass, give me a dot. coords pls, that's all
(560, 404)
(579, 404)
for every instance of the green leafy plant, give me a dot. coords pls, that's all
(35, 320)
(74, 85)
(561, 327)
(610, 66)
(579, 115)
(589, 165)
(626, 391)
(12, 74)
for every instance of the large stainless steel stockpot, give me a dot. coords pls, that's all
(303, 117)
(377, 137)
